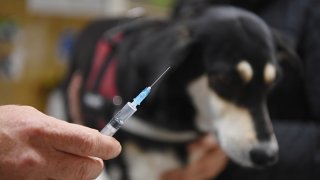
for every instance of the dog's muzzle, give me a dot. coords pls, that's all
(265, 153)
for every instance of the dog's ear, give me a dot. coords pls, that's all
(184, 40)
(168, 47)
(156, 48)
(285, 52)
(287, 97)
(189, 8)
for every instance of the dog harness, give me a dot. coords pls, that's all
(101, 94)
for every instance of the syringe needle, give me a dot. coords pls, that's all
(128, 110)
(159, 77)
(144, 93)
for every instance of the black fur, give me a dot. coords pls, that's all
(211, 44)
(287, 100)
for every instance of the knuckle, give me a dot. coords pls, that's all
(82, 172)
(87, 145)
(30, 160)
(30, 108)
(88, 169)
(34, 131)
(30, 125)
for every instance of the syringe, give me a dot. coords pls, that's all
(128, 110)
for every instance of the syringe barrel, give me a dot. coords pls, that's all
(119, 119)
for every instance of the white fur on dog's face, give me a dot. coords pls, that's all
(232, 124)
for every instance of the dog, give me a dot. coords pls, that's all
(287, 100)
(223, 66)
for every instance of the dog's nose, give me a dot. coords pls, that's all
(262, 157)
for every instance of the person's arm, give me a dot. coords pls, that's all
(309, 50)
(36, 146)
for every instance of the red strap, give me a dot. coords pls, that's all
(108, 88)
(102, 50)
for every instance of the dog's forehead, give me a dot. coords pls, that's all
(228, 19)
(238, 35)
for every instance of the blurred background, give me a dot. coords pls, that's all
(36, 37)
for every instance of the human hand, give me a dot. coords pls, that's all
(36, 146)
(207, 160)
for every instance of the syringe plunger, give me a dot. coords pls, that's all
(119, 119)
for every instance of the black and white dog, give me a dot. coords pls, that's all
(223, 65)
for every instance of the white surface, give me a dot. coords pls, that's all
(78, 7)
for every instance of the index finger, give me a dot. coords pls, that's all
(83, 141)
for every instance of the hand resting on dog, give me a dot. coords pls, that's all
(207, 161)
